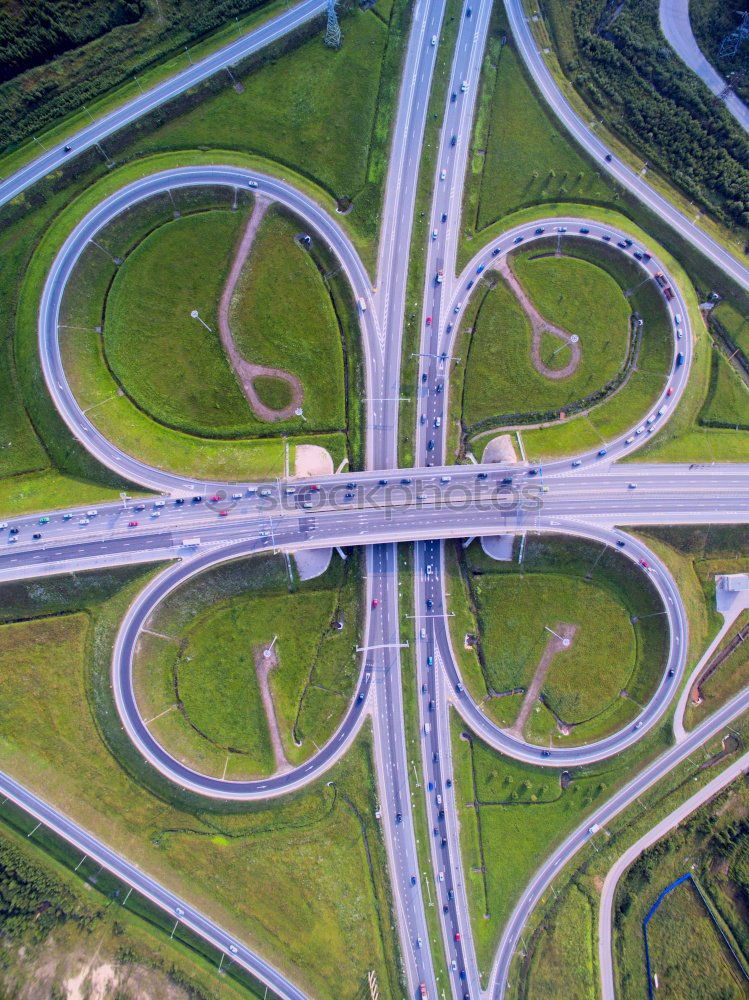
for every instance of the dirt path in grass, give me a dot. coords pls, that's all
(553, 646)
(539, 325)
(246, 371)
(263, 667)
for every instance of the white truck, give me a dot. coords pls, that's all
(191, 543)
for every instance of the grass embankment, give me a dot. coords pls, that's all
(200, 683)
(585, 293)
(512, 815)
(53, 917)
(510, 607)
(500, 377)
(282, 316)
(561, 937)
(695, 554)
(191, 415)
(326, 920)
(687, 952)
(727, 401)
(730, 677)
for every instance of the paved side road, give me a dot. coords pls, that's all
(605, 957)
(146, 886)
(98, 131)
(675, 25)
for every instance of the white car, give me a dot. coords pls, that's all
(630, 439)
(83, 520)
(236, 496)
(464, 86)
(434, 39)
(252, 184)
(3, 524)
(423, 633)
(434, 234)
(640, 430)
(233, 949)
(159, 503)
(443, 174)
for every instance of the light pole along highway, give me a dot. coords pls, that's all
(382, 333)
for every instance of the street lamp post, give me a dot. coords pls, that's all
(196, 315)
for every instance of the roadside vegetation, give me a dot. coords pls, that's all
(729, 677)
(53, 917)
(619, 62)
(197, 671)
(556, 942)
(688, 952)
(327, 920)
(507, 609)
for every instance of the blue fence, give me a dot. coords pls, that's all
(646, 921)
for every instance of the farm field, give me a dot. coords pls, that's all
(327, 923)
(216, 626)
(586, 692)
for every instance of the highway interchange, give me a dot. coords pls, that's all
(590, 499)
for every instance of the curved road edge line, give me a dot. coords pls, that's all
(273, 786)
(605, 913)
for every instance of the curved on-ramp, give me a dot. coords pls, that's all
(109, 208)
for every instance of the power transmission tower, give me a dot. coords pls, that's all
(732, 42)
(333, 29)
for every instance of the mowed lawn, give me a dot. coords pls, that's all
(578, 296)
(735, 323)
(220, 724)
(314, 110)
(304, 881)
(515, 604)
(282, 316)
(168, 363)
(728, 396)
(514, 615)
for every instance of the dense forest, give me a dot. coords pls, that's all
(619, 61)
(38, 30)
(52, 64)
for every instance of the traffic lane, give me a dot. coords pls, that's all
(141, 882)
(98, 131)
(579, 837)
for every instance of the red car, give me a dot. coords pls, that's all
(645, 563)
(215, 499)
(132, 524)
(429, 320)
(457, 935)
(670, 391)
(375, 602)
(223, 513)
(315, 489)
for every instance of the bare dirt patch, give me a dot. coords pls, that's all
(246, 371)
(539, 325)
(312, 460)
(556, 644)
(263, 666)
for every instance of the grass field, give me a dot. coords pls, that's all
(287, 107)
(282, 316)
(215, 625)
(327, 920)
(730, 677)
(574, 294)
(727, 402)
(509, 607)
(51, 947)
(519, 154)
(511, 816)
(570, 946)
(734, 322)
(481, 386)
(686, 948)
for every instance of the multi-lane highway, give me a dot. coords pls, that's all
(586, 496)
